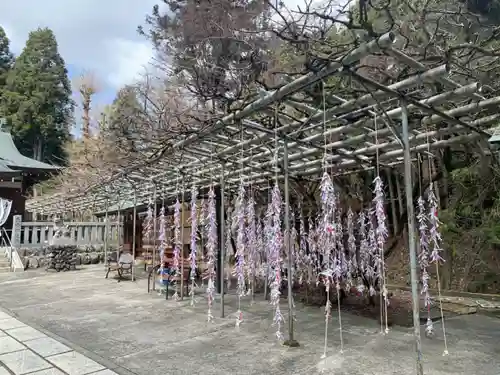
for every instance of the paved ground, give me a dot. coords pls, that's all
(26, 350)
(128, 331)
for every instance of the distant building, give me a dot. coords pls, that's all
(18, 173)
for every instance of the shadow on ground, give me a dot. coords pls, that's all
(148, 335)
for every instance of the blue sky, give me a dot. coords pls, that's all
(94, 36)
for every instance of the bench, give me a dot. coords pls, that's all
(122, 267)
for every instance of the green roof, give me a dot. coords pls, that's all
(11, 157)
(5, 169)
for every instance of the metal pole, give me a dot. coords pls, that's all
(411, 239)
(153, 259)
(182, 240)
(290, 341)
(134, 221)
(106, 232)
(221, 242)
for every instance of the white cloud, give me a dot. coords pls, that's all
(131, 59)
(94, 35)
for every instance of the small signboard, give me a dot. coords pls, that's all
(17, 221)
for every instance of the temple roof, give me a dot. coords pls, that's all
(5, 169)
(12, 159)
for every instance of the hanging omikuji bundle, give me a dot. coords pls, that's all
(340, 264)
(436, 258)
(239, 214)
(326, 235)
(434, 235)
(381, 234)
(251, 242)
(148, 222)
(203, 227)
(162, 235)
(352, 265)
(194, 238)
(302, 261)
(314, 266)
(268, 241)
(261, 251)
(363, 252)
(228, 247)
(177, 242)
(211, 230)
(326, 242)
(423, 258)
(292, 241)
(340, 268)
(276, 246)
(372, 271)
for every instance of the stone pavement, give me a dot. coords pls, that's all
(25, 350)
(133, 332)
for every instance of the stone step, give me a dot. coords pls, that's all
(4, 269)
(4, 262)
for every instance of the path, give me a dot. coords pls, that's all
(146, 335)
(26, 350)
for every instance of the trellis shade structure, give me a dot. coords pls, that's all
(355, 132)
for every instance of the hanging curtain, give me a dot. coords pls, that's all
(5, 206)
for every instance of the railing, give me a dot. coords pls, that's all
(15, 262)
(37, 234)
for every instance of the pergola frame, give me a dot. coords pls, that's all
(390, 124)
(246, 147)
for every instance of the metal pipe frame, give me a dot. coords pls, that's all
(354, 56)
(412, 246)
(307, 138)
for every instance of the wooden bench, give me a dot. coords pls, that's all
(122, 267)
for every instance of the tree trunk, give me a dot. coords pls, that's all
(38, 149)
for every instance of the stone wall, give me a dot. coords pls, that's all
(61, 258)
(39, 258)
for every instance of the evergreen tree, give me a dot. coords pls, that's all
(39, 99)
(125, 120)
(6, 61)
(6, 57)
